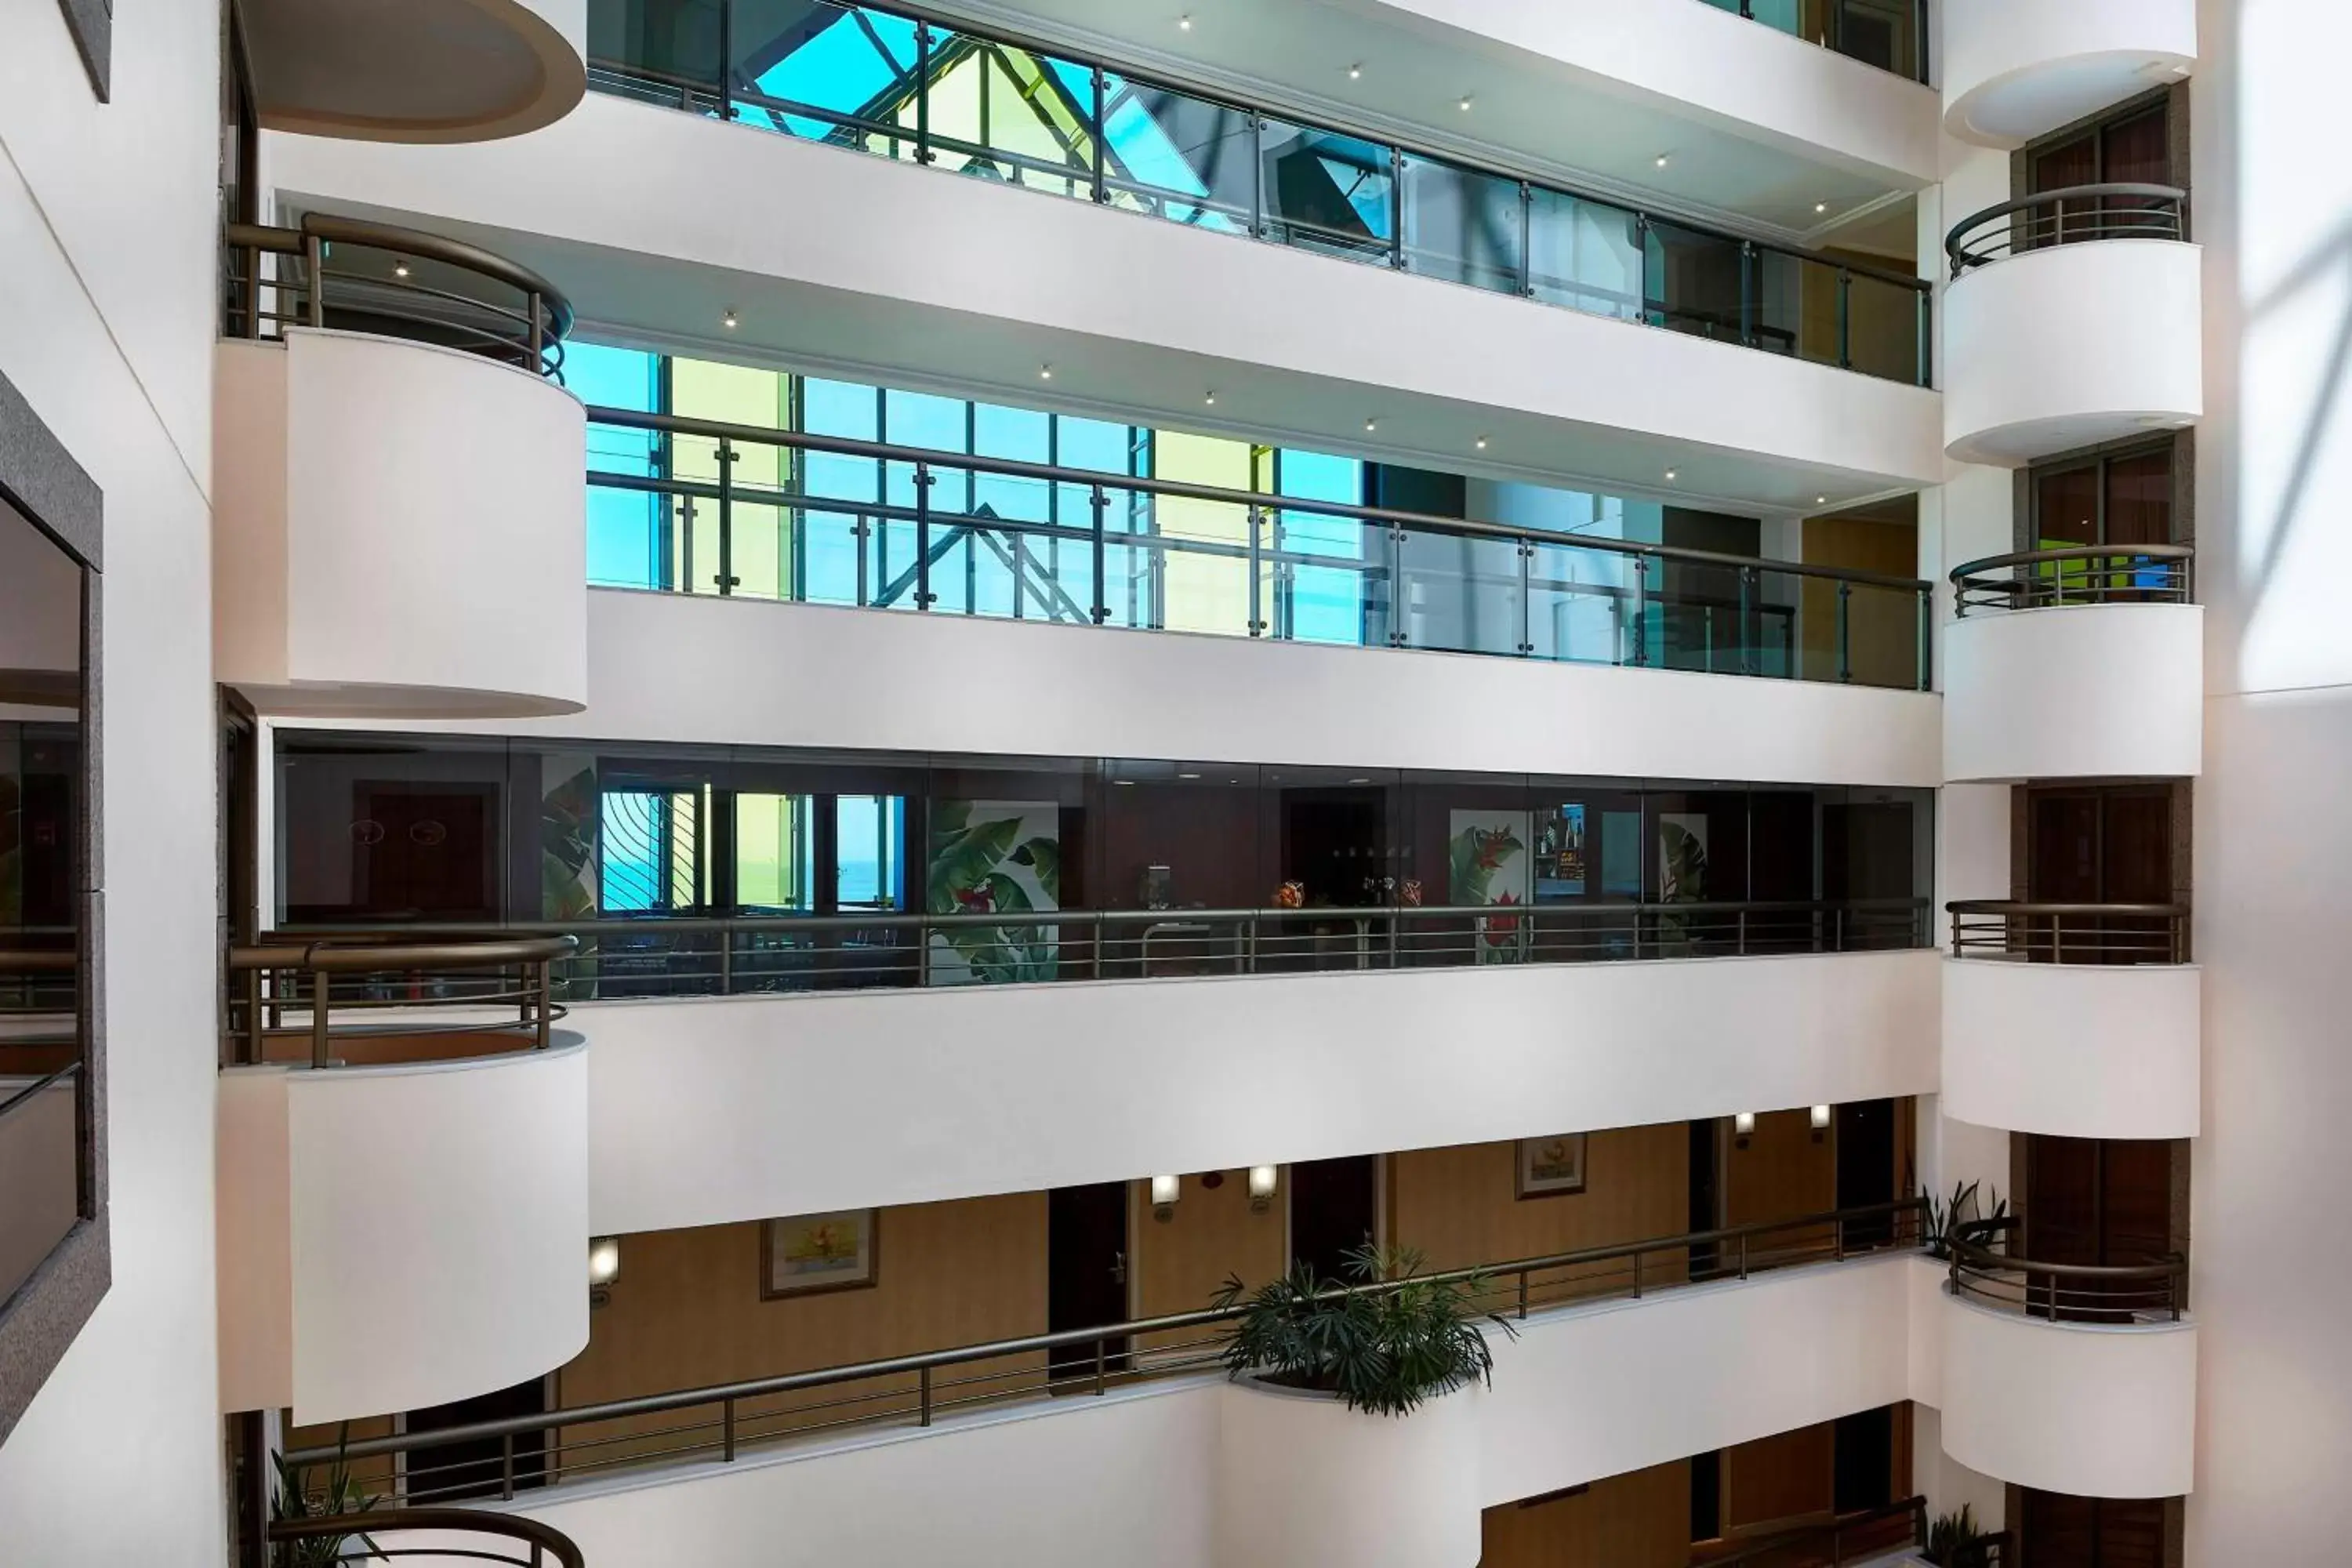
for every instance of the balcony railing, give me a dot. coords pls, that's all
(396, 282)
(1865, 1535)
(880, 526)
(2067, 216)
(869, 78)
(2069, 933)
(502, 1457)
(672, 955)
(367, 999)
(361, 1537)
(2119, 1295)
(1889, 34)
(2078, 574)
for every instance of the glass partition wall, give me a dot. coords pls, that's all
(707, 870)
(896, 84)
(44, 1087)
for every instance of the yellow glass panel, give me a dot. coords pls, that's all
(734, 395)
(1203, 590)
(768, 830)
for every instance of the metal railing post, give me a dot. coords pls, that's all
(546, 1001)
(314, 266)
(923, 594)
(507, 1467)
(1527, 598)
(727, 963)
(318, 1053)
(1926, 621)
(1837, 1239)
(1257, 571)
(1637, 1276)
(1100, 502)
(727, 1431)
(1846, 319)
(725, 580)
(923, 1397)
(1750, 581)
(1102, 115)
(1743, 1254)
(1523, 1295)
(538, 338)
(1846, 631)
(255, 1035)
(1102, 1367)
(922, 92)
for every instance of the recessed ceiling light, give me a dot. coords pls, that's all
(1664, 159)
(1188, 775)
(1821, 500)
(1184, 24)
(1370, 425)
(727, 320)
(1359, 781)
(1466, 103)
(1670, 476)
(1820, 206)
(1482, 443)
(400, 270)
(1122, 781)
(1044, 373)
(1210, 400)
(1356, 72)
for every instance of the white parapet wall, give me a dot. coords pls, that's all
(2074, 691)
(399, 531)
(2018, 70)
(2086, 1408)
(699, 1107)
(393, 1237)
(2074, 1050)
(2070, 345)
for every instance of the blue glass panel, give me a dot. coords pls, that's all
(1327, 192)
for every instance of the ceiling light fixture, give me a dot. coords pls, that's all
(1670, 476)
(1184, 24)
(1356, 72)
(727, 320)
(1044, 373)
(1482, 443)
(1820, 206)
(1664, 159)
(1821, 500)
(1370, 425)
(1263, 1180)
(400, 270)
(1466, 103)
(1188, 775)
(1165, 1191)
(1210, 400)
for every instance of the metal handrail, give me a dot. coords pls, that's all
(2116, 1294)
(31, 1091)
(722, 95)
(1833, 1533)
(2070, 933)
(275, 978)
(1112, 1354)
(2128, 574)
(2064, 216)
(773, 953)
(547, 1544)
(303, 293)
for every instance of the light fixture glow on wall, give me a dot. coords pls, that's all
(1820, 1119)
(604, 1268)
(1262, 1182)
(1743, 1128)
(1165, 1191)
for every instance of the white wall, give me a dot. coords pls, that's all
(1301, 1477)
(2074, 1050)
(2070, 1407)
(2272, 927)
(402, 530)
(1582, 1394)
(2074, 691)
(670, 667)
(107, 243)
(1130, 311)
(2016, 70)
(431, 1235)
(705, 1111)
(2071, 345)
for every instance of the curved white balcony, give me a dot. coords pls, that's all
(1301, 1477)
(404, 1221)
(416, 71)
(2096, 1397)
(2053, 343)
(399, 519)
(2044, 1036)
(2074, 664)
(2018, 70)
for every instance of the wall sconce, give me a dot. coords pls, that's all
(1165, 1191)
(1261, 1188)
(1743, 1128)
(1821, 1121)
(604, 1268)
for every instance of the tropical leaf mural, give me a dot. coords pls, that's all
(992, 858)
(1487, 864)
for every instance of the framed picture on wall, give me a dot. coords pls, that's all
(1551, 1167)
(809, 1254)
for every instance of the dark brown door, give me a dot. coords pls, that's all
(2103, 1201)
(1865, 1168)
(2056, 1531)
(424, 854)
(2110, 845)
(1085, 1268)
(1334, 1209)
(478, 1467)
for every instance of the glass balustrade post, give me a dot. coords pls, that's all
(1846, 319)
(1527, 598)
(1396, 540)
(1749, 627)
(1099, 503)
(1101, 135)
(1396, 207)
(726, 59)
(725, 580)
(314, 264)
(1526, 240)
(1846, 631)
(1926, 617)
(923, 594)
(1257, 176)
(1257, 571)
(1748, 290)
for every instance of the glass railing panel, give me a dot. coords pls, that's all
(1327, 192)
(998, 111)
(658, 51)
(1327, 579)
(849, 75)
(1585, 255)
(1192, 567)
(1584, 605)
(1464, 594)
(1885, 326)
(1177, 157)
(1795, 305)
(1462, 226)
(40, 1196)
(1888, 34)
(1694, 282)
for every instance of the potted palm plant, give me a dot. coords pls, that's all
(295, 1497)
(1315, 1462)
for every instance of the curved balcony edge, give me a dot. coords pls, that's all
(440, 72)
(2100, 689)
(2074, 1050)
(2014, 70)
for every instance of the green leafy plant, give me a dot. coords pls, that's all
(1384, 1343)
(1959, 1218)
(337, 1493)
(1950, 1535)
(981, 868)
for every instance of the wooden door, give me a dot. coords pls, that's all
(1334, 1209)
(1087, 1262)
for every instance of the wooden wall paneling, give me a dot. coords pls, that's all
(1777, 1481)
(1179, 1263)
(1639, 1520)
